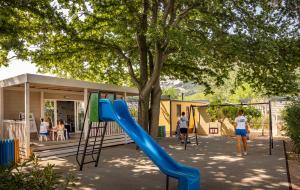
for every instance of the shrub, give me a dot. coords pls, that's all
(291, 117)
(29, 175)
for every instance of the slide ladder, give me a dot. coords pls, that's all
(89, 149)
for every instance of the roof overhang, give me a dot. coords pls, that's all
(48, 82)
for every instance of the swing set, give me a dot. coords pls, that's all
(214, 130)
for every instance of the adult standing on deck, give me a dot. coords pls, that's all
(241, 130)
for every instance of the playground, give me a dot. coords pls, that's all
(123, 167)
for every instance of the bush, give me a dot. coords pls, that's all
(29, 175)
(291, 116)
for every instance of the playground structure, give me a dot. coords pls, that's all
(195, 125)
(103, 111)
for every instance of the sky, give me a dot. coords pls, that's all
(17, 67)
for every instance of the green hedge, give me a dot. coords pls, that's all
(291, 116)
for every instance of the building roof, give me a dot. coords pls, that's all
(55, 83)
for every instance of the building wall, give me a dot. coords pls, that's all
(277, 121)
(164, 115)
(169, 118)
(14, 103)
(64, 96)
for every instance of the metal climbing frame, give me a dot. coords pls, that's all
(93, 143)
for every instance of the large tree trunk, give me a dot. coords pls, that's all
(155, 109)
(143, 113)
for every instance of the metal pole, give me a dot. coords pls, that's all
(195, 126)
(270, 129)
(167, 183)
(170, 117)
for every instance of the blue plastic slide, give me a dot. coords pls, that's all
(189, 178)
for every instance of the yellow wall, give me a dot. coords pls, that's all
(225, 129)
(203, 122)
(164, 115)
(171, 122)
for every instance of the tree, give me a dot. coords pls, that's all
(145, 40)
(171, 92)
(291, 117)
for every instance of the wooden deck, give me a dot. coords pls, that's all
(58, 149)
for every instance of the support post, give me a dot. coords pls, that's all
(125, 96)
(27, 118)
(1, 111)
(42, 105)
(270, 129)
(86, 124)
(167, 182)
(170, 118)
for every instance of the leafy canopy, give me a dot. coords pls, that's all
(199, 41)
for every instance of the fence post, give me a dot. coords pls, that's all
(1, 112)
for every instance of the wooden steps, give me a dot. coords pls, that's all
(47, 152)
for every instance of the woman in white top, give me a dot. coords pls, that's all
(241, 130)
(43, 130)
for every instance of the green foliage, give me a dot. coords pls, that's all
(219, 113)
(30, 175)
(133, 112)
(228, 92)
(291, 116)
(172, 92)
(200, 41)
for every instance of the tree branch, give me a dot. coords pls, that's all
(167, 11)
(154, 11)
(156, 70)
(184, 13)
(129, 65)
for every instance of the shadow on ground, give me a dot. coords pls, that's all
(123, 167)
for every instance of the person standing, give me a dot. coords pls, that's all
(241, 130)
(183, 127)
(44, 126)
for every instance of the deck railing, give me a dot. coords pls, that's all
(14, 129)
(112, 129)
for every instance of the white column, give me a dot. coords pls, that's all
(1, 111)
(42, 105)
(85, 100)
(125, 95)
(27, 119)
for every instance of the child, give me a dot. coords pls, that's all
(60, 130)
(183, 127)
(43, 130)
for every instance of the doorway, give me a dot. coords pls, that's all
(65, 113)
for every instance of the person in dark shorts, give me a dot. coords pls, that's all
(183, 126)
